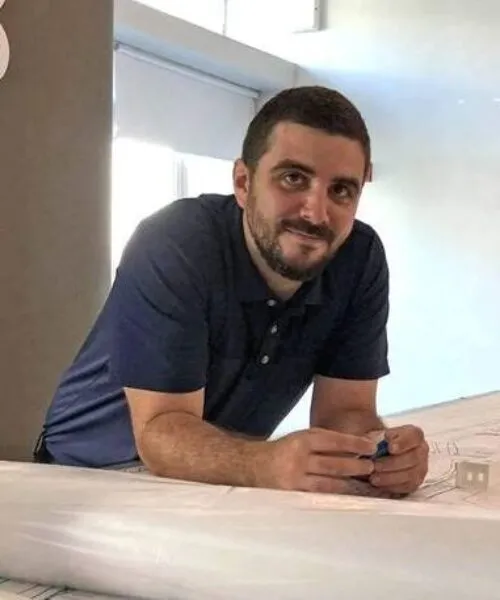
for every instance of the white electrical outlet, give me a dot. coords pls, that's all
(477, 476)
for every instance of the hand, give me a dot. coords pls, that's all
(320, 460)
(404, 470)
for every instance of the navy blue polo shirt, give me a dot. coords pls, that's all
(189, 310)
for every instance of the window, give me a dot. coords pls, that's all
(144, 179)
(204, 13)
(206, 175)
(260, 19)
(177, 107)
(254, 22)
(148, 176)
(177, 134)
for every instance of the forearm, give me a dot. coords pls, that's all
(356, 422)
(182, 446)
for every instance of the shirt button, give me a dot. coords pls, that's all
(274, 329)
(264, 360)
(271, 302)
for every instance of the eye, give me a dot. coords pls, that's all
(294, 180)
(341, 192)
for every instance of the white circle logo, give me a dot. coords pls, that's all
(4, 48)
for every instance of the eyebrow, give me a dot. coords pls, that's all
(295, 165)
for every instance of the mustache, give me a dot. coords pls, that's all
(320, 231)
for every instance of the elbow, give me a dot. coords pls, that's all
(157, 442)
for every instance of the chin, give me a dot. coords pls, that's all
(302, 270)
(298, 259)
(305, 265)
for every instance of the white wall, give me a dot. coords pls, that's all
(426, 75)
(168, 37)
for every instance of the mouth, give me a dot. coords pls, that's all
(304, 236)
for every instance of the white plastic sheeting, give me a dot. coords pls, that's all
(140, 536)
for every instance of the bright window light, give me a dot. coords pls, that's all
(144, 179)
(204, 13)
(206, 175)
(261, 19)
(147, 176)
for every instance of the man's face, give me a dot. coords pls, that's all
(301, 201)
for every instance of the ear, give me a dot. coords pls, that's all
(241, 182)
(369, 174)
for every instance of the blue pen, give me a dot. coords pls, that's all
(382, 450)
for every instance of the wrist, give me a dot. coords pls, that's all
(258, 458)
(354, 422)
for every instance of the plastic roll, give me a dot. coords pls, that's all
(139, 536)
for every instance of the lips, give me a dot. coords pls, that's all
(303, 234)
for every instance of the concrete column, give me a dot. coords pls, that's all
(55, 141)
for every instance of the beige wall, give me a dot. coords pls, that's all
(55, 131)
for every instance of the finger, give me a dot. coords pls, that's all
(333, 442)
(361, 488)
(331, 485)
(338, 466)
(402, 490)
(404, 438)
(402, 480)
(409, 460)
(393, 480)
(403, 462)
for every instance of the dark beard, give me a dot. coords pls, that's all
(273, 256)
(267, 243)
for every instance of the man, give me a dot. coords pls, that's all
(225, 308)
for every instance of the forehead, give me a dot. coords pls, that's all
(325, 153)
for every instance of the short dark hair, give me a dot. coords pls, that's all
(313, 106)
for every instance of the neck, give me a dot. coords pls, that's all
(282, 287)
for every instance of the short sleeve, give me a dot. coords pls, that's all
(358, 347)
(159, 332)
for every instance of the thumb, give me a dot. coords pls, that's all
(402, 438)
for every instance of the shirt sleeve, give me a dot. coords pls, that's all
(358, 347)
(159, 332)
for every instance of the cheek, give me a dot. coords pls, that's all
(341, 224)
(342, 217)
(278, 206)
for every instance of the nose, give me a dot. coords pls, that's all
(314, 207)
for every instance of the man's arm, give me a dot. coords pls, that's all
(349, 406)
(354, 357)
(173, 441)
(345, 405)
(345, 389)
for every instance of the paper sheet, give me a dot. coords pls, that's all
(11, 590)
(467, 429)
(135, 534)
